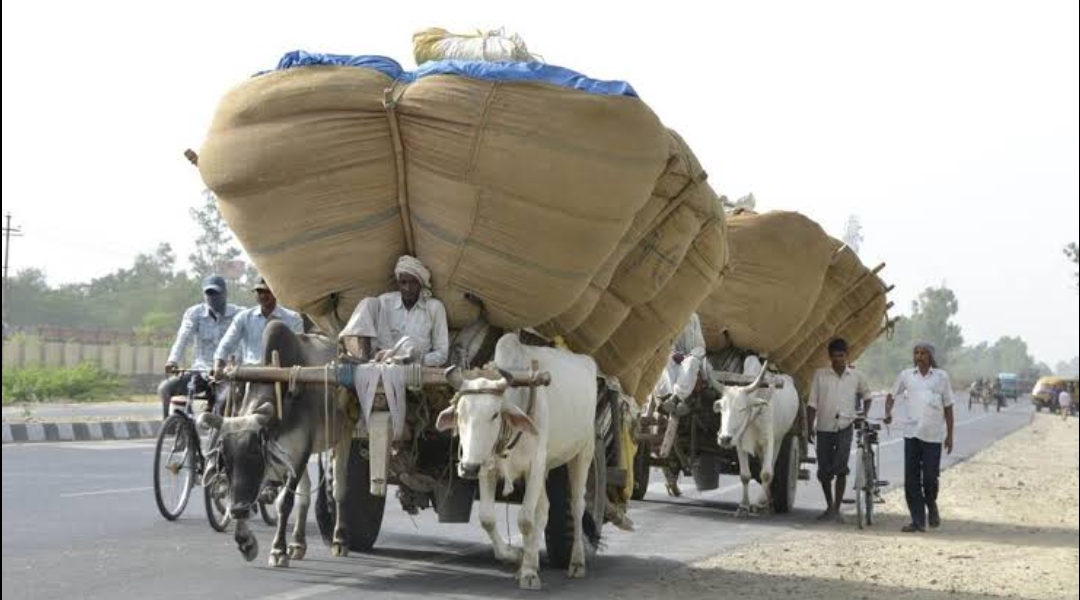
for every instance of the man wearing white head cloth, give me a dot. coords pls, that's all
(409, 323)
(925, 395)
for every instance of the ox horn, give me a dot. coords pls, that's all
(454, 377)
(760, 377)
(507, 376)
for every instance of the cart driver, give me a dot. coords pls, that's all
(407, 325)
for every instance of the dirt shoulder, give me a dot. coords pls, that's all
(1011, 529)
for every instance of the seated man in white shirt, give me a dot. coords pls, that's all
(245, 333)
(409, 322)
(686, 365)
(926, 397)
(686, 369)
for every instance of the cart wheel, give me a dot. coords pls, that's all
(785, 476)
(364, 515)
(642, 471)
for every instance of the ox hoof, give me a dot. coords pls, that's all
(297, 551)
(742, 512)
(249, 549)
(339, 550)
(528, 580)
(279, 559)
(576, 571)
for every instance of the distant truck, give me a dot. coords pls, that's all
(1009, 384)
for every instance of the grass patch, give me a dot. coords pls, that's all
(86, 381)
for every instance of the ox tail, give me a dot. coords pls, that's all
(591, 531)
(324, 507)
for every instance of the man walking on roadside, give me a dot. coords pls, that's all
(1065, 402)
(836, 392)
(926, 399)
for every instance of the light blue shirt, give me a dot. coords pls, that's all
(200, 323)
(246, 333)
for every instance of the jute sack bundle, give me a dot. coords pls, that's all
(858, 318)
(843, 272)
(774, 274)
(538, 199)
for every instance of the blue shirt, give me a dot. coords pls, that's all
(246, 333)
(207, 329)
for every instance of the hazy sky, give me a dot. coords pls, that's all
(950, 128)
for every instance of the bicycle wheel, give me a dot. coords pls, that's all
(216, 492)
(859, 493)
(174, 466)
(217, 506)
(871, 487)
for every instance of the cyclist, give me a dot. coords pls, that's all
(205, 323)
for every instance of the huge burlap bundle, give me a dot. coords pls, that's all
(789, 288)
(576, 212)
(776, 270)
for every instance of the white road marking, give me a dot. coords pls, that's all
(106, 492)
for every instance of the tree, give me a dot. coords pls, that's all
(214, 247)
(1073, 253)
(853, 235)
(931, 321)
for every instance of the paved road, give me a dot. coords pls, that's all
(79, 521)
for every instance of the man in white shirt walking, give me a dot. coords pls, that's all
(926, 399)
(1065, 402)
(836, 392)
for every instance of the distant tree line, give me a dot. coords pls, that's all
(147, 297)
(931, 320)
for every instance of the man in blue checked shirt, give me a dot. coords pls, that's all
(244, 337)
(204, 324)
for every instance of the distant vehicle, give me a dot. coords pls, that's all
(1046, 390)
(1010, 385)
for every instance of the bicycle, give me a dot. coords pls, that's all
(867, 465)
(179, 461)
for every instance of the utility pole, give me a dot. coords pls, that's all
(9, 232)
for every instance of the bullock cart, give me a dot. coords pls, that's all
(421, 462)
(680, 437)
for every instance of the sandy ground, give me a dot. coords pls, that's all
(1010, 530)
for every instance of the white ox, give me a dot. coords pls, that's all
(755, 424)
(499, 438)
